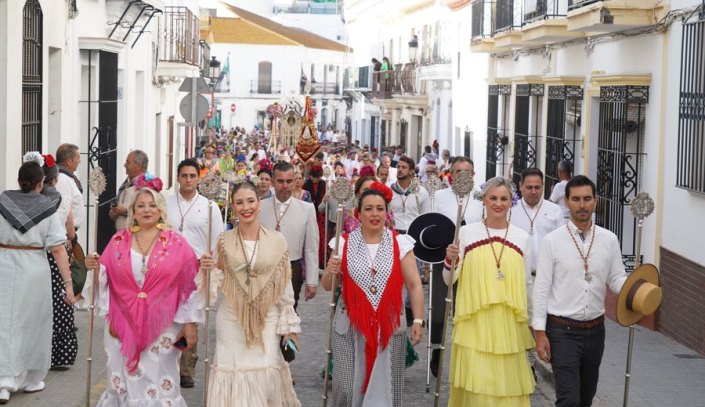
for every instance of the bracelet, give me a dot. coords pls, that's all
(67, 282)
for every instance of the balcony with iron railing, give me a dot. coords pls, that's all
(263, 87)
(325, 88)
(537, 10)
(310, 7)
(179, 36)
(503, 25)
(508, 15)
(575, 4)
(482, 19)
(400, 81)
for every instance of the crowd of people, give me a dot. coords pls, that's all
(517, 288)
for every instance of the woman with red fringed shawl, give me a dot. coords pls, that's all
(145, 285)
(369, 340)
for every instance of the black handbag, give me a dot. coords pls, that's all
(288, 353)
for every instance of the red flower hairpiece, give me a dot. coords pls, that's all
(49, 160)
(367, 171)
(384, 190)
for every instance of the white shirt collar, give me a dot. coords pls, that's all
(287, 202)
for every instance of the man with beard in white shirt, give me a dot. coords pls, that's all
(187, 211)
(406, 204)
(576, 264)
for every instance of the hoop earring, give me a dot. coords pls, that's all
(161, 225)
(135, 228)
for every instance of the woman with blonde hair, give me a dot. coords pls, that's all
(146, 278)
(488, 364)
(257, 314)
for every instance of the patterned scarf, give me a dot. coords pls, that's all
(140, 315)
(374, 315)
(25, 210)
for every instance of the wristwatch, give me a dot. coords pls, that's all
(420, 321)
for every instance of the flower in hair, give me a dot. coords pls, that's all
(239, 179)
(33, 156)
(49, 160)
(148, 180)
(383, 189)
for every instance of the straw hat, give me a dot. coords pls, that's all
(640, 295)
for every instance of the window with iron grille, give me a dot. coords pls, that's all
(620, 156)
(562, 130)
(527, 128)
(32, 33)
(691, 111)
(497, 121)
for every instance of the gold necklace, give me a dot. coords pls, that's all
(588, 276)
(497, 260)
(531, 221)
(248, 263)
(144, 253)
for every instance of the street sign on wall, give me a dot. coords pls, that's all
(186, 108)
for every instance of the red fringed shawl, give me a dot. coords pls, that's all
(376, 326)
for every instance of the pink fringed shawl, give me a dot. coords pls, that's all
(139, 315)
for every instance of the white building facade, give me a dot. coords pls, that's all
(101, 75)
(268, 62)
(616, 88)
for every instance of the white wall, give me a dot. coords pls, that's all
(683, 220)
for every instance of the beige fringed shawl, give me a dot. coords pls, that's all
(251, 302)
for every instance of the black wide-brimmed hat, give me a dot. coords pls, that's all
(433, 233)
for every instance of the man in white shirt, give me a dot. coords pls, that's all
(535, 215)
(261, 154)
(296, 220)
(136, 164)
(406, 204)
(576, 263)
(565, 173)
(392, 173)
(445, 202)
(67, 159)
(383, 175)
(187, 212)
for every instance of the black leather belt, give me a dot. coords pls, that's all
(572, 323)
(401, 231)
(295, 262)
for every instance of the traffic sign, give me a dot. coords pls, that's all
(186, 108)
(201, 85)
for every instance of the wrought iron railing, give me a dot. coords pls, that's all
(402, 80)
(205, 58)
(691, 111)
(496, 128)
(325, 88)
(32, 63)
(311, 8)
(620, 155)
(507, 15)
(482, 18)
(266, 87)
(543, 9)
(527, 128)
(562, 130)
(574, 4)
(179, 36)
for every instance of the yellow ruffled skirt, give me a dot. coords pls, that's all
(489, 365)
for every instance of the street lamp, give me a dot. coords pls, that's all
(214, 67)
(413, 48)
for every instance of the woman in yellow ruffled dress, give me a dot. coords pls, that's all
(489, 366)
